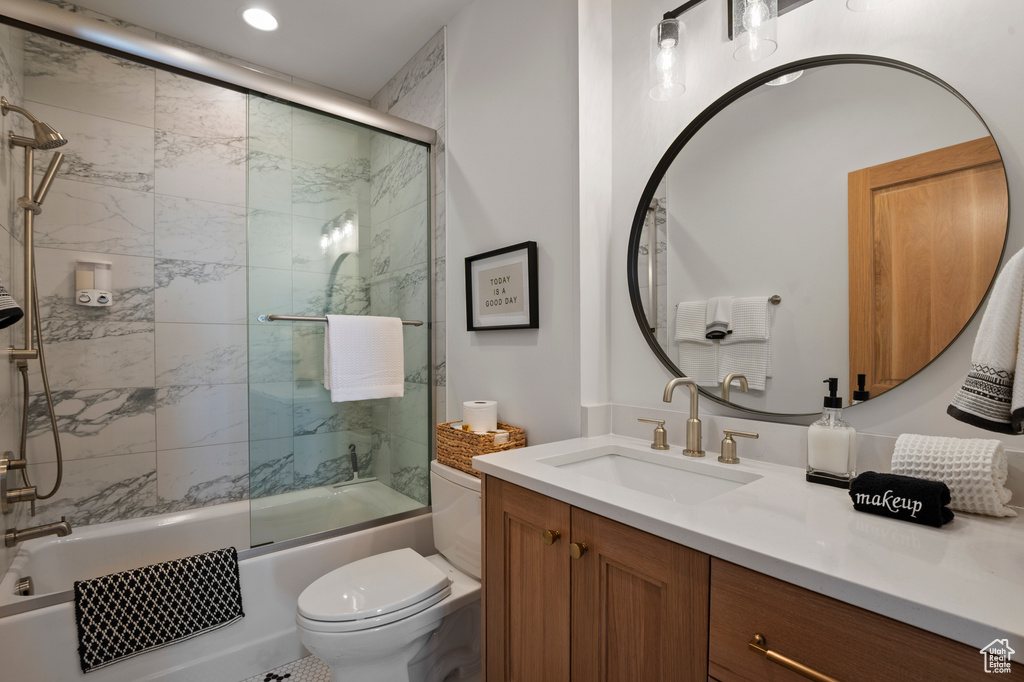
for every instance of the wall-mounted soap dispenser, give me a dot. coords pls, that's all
(93, 282)
(831, 443)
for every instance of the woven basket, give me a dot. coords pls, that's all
(457, 448)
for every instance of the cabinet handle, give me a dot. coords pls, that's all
(760, 645)
(550, 536)
(577, 549)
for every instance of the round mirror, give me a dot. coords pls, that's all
(846, 222)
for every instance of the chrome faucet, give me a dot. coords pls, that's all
(60, 529)
(693, 438)
(729, 378)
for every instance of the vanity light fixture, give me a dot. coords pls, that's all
(668, 60)
(668, 54)
(259, 19)
(752, 23)
(754, 28)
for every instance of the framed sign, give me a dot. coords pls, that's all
(501, 289)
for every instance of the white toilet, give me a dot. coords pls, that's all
(400, 616)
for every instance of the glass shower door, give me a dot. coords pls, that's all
(338, 220)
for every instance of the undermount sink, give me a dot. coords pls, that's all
(670, 477)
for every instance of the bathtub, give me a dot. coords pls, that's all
(41, 644)
(54, 564)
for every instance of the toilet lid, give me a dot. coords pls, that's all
(373, 587)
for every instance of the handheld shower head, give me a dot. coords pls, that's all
(45, 136)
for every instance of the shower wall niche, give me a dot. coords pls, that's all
(154, 393)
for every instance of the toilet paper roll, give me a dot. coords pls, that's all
(480, 415)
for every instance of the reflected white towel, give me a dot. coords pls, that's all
(698, 356)
(363, 357)
(974, 469)
(718, 317)
(748, 350)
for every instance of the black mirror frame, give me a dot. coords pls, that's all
(633, 248)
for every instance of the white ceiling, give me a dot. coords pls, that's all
(354, 46)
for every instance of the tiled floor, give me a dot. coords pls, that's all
(312, 669)
(308, 669)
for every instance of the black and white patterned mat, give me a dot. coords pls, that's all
(125, 614)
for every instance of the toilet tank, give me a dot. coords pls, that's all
(455, 499)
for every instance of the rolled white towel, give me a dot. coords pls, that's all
(974, 469)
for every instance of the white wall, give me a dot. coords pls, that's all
(595, 121)
(512, 176)
(976, 47)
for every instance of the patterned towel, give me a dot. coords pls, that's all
(125, 614)
(989, 398)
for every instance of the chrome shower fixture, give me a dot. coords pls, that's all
(45, 136)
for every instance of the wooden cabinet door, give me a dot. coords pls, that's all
(525, 585)
(639, 605)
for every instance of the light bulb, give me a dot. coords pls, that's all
(666, 60)
(754, 14)
(754, 29)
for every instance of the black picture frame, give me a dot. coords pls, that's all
(501, 289)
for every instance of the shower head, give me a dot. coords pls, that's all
(45, 136)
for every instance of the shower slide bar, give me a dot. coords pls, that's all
(306, 318)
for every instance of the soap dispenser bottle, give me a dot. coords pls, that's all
(831, 443)
(861, 394)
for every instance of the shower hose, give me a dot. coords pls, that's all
(23, 368)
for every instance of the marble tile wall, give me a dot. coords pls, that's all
(151, 393)
(11, 86)
(406, 268)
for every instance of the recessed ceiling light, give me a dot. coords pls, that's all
(260, 19)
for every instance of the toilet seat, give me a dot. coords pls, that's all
(374, 591)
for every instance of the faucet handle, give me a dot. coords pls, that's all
(728, 455)
(660, 434)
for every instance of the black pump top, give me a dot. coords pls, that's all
(860, 394)
(831, 400)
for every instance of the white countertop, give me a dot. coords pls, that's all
(964, 581)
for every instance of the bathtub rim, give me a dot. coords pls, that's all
(64, 596)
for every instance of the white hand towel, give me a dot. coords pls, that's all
(718, 317)
(974, 469)
(698, 356)
(989, 398)
(363, 357)
(748, 350)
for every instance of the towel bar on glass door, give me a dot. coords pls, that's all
(305, 318)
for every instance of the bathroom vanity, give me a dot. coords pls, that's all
(605, 560)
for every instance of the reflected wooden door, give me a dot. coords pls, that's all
(926, 233)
